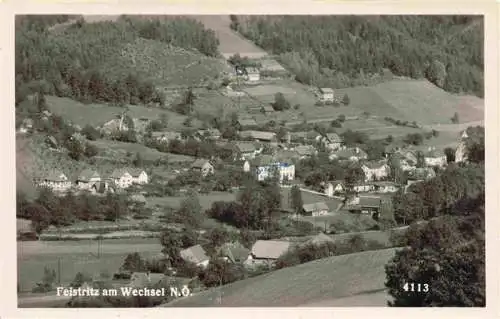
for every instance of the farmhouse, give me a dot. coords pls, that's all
(252, 74)
(334, 187)
(333, 141)
(315, 209)
(196, 255)
(88, 180)
(121, 178)
(351, 154)
(139, 176)
(55, 180)
(165, 137)
(305, 151)
(267, 109)
(267, 251)
(434, 157)
(326, 94)
(364, 205)
(233, 252)
(203, 166)
(246, 150)
(375, 171)
(261, 136)
(245, 123)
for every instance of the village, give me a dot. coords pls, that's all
(244, 171)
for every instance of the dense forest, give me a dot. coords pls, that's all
(342, 51)
(68, 61)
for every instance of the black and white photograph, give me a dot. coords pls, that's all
(242, 160)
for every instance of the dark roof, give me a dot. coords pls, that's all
(304, 150)
(247, 122)
(55, 175)
(245, 147)
(234, 251)
(333, 138)
(369, 201)
(350, 152)
(374, 165)
(259, 135)
(143, 279)
(434, 153)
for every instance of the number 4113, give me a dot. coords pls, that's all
(415, 287)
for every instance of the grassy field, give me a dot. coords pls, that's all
(98, 114)
(163, 64)
(206, 200)
(117, 149)
(73, 257)
(317, 281)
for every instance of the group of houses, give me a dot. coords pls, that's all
(90, 180)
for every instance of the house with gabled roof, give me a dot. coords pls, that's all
(196, 255)
(326, 94)
(305, 151)
(261, 136)
(233, 252)
(267, 252)
(166, 136)
(88, 179)
(54, 179)
(331, 141)
(121, 178)
(315, 209)
(203, 166)
(375, 171)
(248, 122)
(139, 176)
(245, 150)
(364, 205)
(252, 74)
(211, 134)
(334, 187)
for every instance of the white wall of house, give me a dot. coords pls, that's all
(246, 167)
(124, 181)
(141, 179)
(435, 161)
(375, 174)
(253, 77)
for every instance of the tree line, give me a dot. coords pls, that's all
(342, 51)
(69, 63)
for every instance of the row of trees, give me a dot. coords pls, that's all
(49, 209)
(341, 51)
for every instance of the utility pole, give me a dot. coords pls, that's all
(59, 270)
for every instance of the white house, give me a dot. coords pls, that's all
(165, 137)
(203, 166)
(434, 157)
(88, 180)
(335, 187)
(315, 209)
(305, 151)
(121, 178)
(326, 95)
(354, 154)
(267, 167)
(139, 176)
(55, 180)
(375, 171)
(196, 255)
(253, 74)
(386, 187)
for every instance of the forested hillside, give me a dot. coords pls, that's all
(72, 61)
(342, 51)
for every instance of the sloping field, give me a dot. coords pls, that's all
(321, 280)
(425, 103)
(98, 114)
(206, 200)
(73, 257)
(163, 64)
(230, 42)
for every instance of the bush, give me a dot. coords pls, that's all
(346, 100)
(336, 124)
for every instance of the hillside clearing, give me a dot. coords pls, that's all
(206, 200)
(316, 281)
(98, 114)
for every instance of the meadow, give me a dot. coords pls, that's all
(76, 256)
(98, 114)
(317, 281)
(206, 200)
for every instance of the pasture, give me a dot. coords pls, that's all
(308, 198)
(206, 200)
(98, 114)
(76, 256)
(317, 281)
(117, 149)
